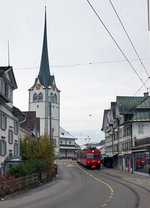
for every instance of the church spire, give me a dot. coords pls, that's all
(44, 73)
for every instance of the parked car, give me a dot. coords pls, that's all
(55, 167)
(74, 158)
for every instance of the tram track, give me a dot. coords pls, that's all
(97, 172)
(123, 182)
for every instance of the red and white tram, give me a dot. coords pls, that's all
(89, 157)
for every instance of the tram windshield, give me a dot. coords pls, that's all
(89, 155)
(96, 155)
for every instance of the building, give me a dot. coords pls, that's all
(67, 145)
(107, 129)
(30, 125)
(130, 133)
(9, 121)
(44, 97)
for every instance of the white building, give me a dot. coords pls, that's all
(129, 133)
(68, 146)
(9, 121)
(44, 97)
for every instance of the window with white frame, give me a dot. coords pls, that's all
(15, 149)
(3, 121)
(10, 136)
(2, 146)
(140, 129)
(15, 127)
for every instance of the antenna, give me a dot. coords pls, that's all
(8, 55)
(45, 3)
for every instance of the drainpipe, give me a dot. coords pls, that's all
(131, 147)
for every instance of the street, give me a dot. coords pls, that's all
(77, 187)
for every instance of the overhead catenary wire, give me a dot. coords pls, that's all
(141, 87)
(80, 64)
(116, 43)
(128, 37)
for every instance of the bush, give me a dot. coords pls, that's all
(28, 168)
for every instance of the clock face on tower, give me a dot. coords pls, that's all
(38, 86)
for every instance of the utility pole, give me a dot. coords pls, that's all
(148, 9)
(50, 119)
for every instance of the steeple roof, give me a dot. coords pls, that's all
(44, 74)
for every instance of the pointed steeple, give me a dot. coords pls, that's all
(44, 73)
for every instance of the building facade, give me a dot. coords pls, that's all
(68, 146)
(9, 121)
(130, 133)
(44, 97)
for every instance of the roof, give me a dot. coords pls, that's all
(141, 116)
(10, 75)
(107, 117)
(65, 135)
(126, 104)
(44, 74)
(144, 104)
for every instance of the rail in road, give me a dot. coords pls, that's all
(133, 183)
(78, 187)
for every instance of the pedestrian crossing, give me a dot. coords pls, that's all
(66, 163)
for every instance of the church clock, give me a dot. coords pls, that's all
(38, 86)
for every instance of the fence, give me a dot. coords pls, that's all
(10, 184)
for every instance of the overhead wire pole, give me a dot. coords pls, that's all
(116, 43)
(148, 11)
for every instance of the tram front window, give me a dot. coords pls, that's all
(96, 155)
(89, 155)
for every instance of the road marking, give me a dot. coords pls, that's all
(106, 184)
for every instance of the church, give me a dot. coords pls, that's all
(44, 97)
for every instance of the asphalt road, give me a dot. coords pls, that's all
(77, 187)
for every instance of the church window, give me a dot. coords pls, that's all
(51, 98)
(35, 97)
(55, 98)
(40, 96)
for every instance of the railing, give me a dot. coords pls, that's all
(10, 184)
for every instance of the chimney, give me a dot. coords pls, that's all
(146, 94)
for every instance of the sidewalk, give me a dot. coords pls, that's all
(137, 179)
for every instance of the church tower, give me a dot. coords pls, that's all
(44, 97)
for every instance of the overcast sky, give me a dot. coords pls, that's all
(89, 69)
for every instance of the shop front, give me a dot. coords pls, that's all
(141, 159)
